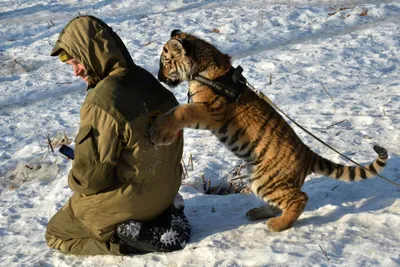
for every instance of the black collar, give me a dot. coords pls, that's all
(232, 84)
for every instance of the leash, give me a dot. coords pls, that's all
(263, 96)
(234, 91)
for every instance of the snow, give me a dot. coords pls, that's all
(331, 69)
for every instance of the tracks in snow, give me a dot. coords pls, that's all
(320, 35)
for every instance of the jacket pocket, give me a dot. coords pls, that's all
(86, 153)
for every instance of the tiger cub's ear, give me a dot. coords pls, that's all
(180, 46)
(175, 47)
(175, 32)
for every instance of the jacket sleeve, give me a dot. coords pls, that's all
(97, 150)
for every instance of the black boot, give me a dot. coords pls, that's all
(168, 232)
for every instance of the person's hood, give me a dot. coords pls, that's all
(95, 45)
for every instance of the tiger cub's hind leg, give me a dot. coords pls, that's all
(263, 212)
(292, 203)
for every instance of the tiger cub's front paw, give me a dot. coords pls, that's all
(161, 133)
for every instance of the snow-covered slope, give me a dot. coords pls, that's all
(333, 67)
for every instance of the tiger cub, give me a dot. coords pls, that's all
(277, 160)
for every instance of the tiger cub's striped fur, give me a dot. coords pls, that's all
(277, 160)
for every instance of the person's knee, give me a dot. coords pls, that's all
(53, 239)
(53, 242)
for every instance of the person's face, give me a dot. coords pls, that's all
(79, 69)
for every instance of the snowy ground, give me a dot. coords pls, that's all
(306, 48)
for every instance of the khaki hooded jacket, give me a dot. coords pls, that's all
(117, 173)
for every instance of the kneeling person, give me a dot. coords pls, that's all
(118, 176)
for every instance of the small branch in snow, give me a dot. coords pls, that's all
(63, 82)
(19, 64)
(190, 162)
(240, 177)
(337, 10)
(185, 172)
(51, 24)
(190, 184)
(41, 148)
(206, 185)
(323, 86)
(49, 143)
(336, 123)
(324, 252)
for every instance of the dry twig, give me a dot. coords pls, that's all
(324, 253)
(49, 143)
(323, 86)
(63, 82)
(190, 162)
(19, 64)
(336, 123)
(185, 172)
(37, 137)
(189, 184)
(50, 24)
(240, 177)
(337, 10)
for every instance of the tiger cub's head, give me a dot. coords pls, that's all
(184, 56)
(175, 62)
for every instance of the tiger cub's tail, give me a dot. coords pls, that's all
(350, 173)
